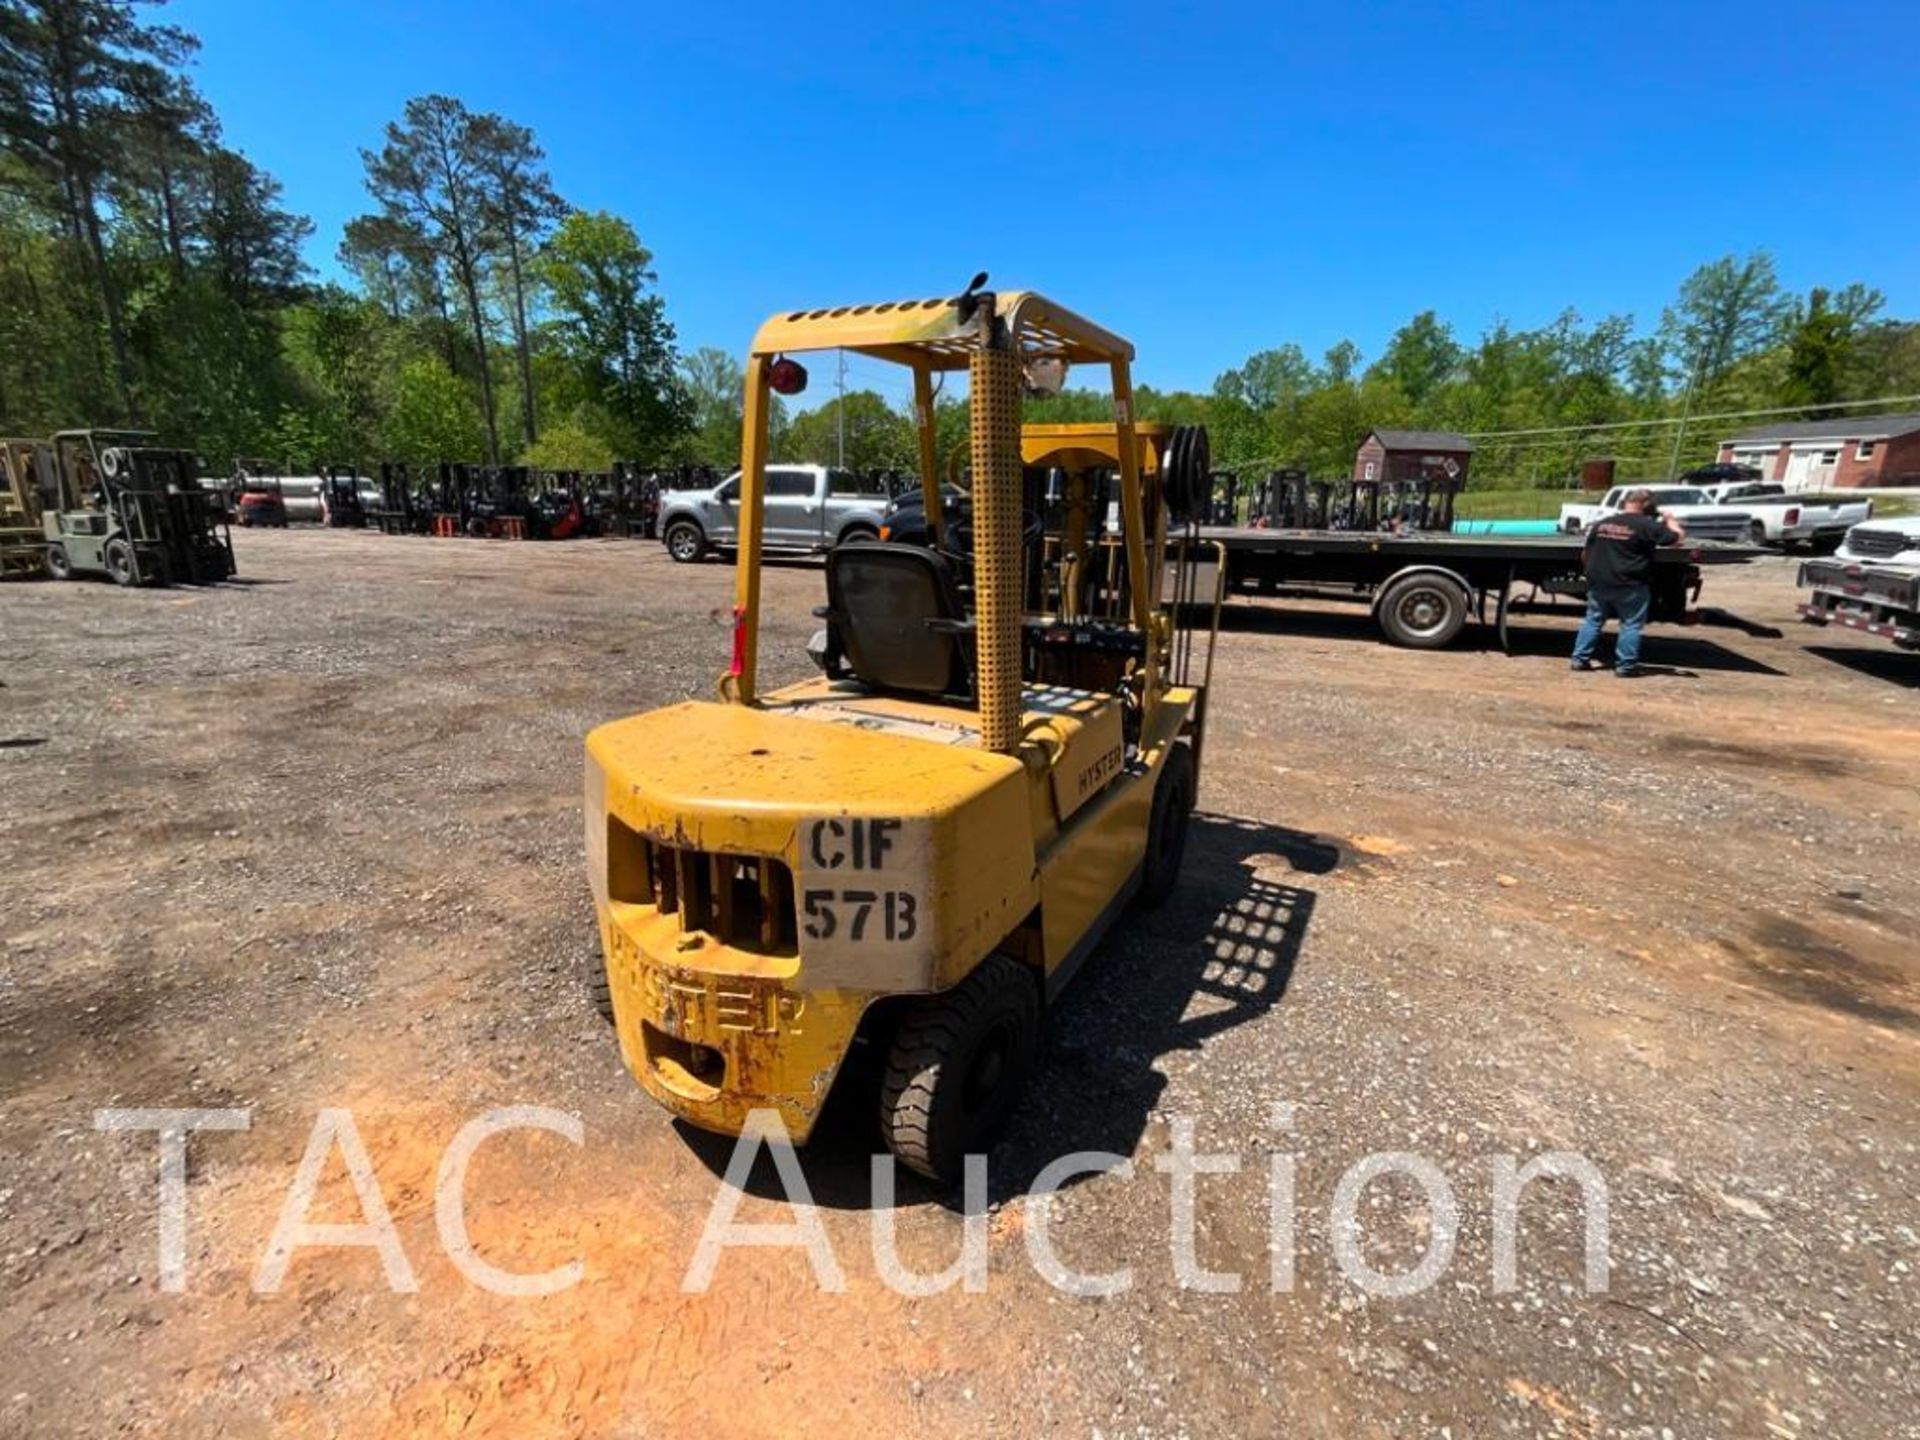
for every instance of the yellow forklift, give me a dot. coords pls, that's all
(915, 849)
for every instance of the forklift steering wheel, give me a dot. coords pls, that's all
(956, 537)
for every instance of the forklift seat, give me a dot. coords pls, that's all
(895, 610)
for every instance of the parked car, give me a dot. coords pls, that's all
(1887, 541)
(261, 503)
(1779, 518)
(1721, 473)
(808, 508)
(906, 518)
(1688, 504)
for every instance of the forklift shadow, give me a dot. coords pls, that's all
(1219, 954)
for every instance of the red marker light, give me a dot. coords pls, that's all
(787, 377)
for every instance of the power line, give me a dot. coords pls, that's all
(1695, 419)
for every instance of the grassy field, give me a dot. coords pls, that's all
(1512, 504)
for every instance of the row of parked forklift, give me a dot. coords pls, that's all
(113, 503)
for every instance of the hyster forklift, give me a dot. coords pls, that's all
(915, 850)
(116, 504)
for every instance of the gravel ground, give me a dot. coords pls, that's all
(311, 841)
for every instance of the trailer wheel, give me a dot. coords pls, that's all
(957, 1066)
(119, 558)
(686, 542)
(59, 565)
(1422, 612)
(1167, 828)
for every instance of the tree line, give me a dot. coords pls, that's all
(150, 274)
(1733, 340)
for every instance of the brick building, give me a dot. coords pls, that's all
(1852, 451)
(1412, 454)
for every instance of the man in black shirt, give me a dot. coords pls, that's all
(1619, 562)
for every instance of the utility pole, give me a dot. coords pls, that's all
(1680, 434)
(840, 405)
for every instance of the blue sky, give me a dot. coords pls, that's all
(1208, 180)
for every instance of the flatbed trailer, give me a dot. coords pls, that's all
(1423, 587)
(1882, 600)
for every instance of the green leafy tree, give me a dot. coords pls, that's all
(1728, 310)
(612, 326)
(520, 206)
(431, 415)
(431, 183)
(1820, 346)
(715, 386)
(1420, 358)
(576, 442)
(877, 436)
(71, 72)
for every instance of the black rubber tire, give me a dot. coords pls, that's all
(1757, 533)
(593, 974)
(119, 560)
(958, 1063)
(857, 535)
(1423, 612)
(1167, 828)
(59, 566)
(686, 542)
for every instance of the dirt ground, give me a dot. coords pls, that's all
(312, 841)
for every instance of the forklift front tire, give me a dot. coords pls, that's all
(686, 542)
(1167, 828)
(119, 560)
(58, 565)
(958, 1064)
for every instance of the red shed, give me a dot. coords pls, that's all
(1412, 455)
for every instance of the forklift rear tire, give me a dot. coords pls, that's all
(686, 542)
(593, 970)
(958, 1064)
(1167, 828)
(58, 565)
(119, 560)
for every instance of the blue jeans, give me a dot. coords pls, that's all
(1626, 603)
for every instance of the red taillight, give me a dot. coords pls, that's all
(787, 377)
(1793, 516)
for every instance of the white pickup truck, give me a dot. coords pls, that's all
(1777, 518)
(1883, 542)
(1691, 506)
(1872, 583)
